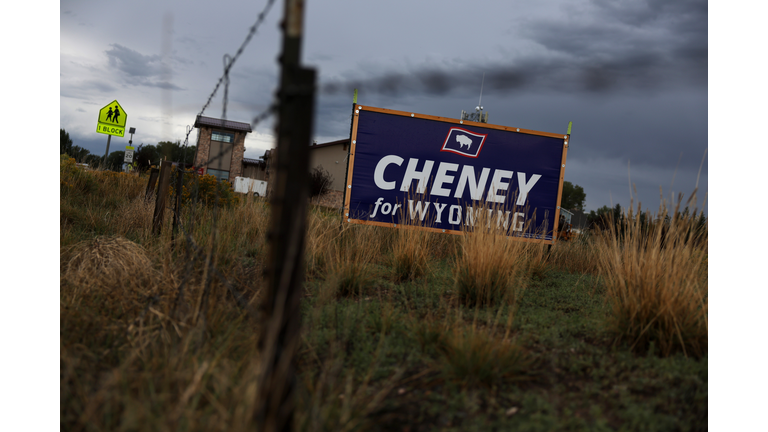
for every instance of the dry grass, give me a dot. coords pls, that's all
(108, 263)
(580, 255)
(350, 259)
(491, 268)
(471, 357)
(322, 232)
(153, 339)
(410, 253)
(656, 279)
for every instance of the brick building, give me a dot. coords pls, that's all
(221, 147)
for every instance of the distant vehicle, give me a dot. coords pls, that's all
(246, 185)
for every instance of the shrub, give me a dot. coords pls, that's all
(206, 189)
(321, 181)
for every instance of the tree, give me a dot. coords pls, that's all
(115, 160)
(169, 150)
(92, 160)
(605, 217)
(175, 152)
(573, 197)
(148, 155)
(79, 153)
(65, 142)
(145, 156)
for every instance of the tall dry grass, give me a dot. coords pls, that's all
(491, 268)
(580, 255)
(411, 253)
(656, 279)
(351, 257)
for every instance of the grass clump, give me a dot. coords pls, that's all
(350, 258)
(579, 255)
(490, 268)
(472, 357)
(108, 262)
(410, 254)
(655, 275)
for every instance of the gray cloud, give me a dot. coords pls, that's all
(84, 89)
(630, 47)
(140, 69)
(132, 63)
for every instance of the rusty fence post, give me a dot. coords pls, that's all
(152, 182)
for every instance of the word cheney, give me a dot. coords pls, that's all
(446, 176)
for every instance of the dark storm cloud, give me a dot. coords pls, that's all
(140, 69)
(624, 48)
(133, 63)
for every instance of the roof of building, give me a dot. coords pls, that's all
(224, 124)
(252, 161)
(344, 141)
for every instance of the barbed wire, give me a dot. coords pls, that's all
(193, 250)
(228, 66)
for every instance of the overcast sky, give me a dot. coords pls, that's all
(630, 75)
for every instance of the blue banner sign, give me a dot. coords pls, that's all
(448, 175)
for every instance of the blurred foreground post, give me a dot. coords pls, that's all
(280, 338)
(162, 195)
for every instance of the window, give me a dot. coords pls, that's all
(222, 137)
(220, 156)
(219, 174)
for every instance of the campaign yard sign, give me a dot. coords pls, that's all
(448, 175)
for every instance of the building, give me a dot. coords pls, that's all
(257, 169)
(221, 147)
(331, 157)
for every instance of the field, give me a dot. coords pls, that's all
(401, 330)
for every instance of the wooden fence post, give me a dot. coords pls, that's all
(280, 338)
(162, 195)
(152, 182)
(177, 202)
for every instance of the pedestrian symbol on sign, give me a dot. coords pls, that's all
(112, 120)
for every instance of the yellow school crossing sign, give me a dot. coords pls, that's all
(112, 120)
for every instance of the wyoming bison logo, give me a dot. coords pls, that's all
(464, 142)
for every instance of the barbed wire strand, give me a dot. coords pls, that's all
(190, 243)
(249, 36)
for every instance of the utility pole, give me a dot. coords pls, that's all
(284, 273)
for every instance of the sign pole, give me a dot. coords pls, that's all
(104, 163)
